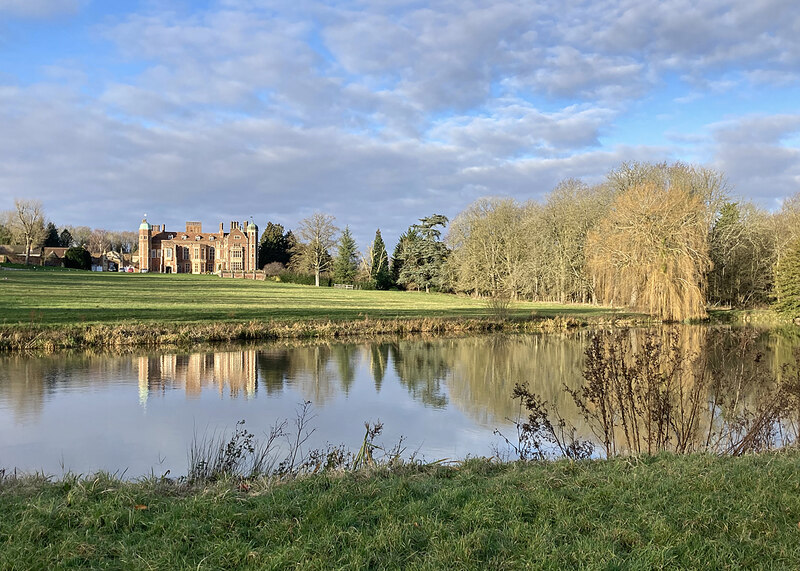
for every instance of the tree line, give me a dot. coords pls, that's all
(26, 225)
(666, 239)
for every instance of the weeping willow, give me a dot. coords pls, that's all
(651, 253)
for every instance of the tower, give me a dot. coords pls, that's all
(252, 246)
(144, 245)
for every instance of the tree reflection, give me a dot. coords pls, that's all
(421, 367)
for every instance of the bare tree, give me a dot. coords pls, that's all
(319, 234)
(27, 224)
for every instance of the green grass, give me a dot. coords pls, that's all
(65, 298)
(696, 511)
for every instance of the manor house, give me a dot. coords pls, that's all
(196, 252)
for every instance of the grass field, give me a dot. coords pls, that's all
(65, 298)
(664, 512)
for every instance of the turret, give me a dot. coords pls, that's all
(145, 233)
(252, 245)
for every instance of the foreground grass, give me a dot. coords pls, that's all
(37, 310)
(662, 512)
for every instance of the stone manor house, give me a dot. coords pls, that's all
(196, 252)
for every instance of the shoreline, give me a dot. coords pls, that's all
(50, 339)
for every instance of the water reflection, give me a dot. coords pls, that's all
(233, 373)
(446, 393)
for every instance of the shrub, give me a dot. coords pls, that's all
(78, 257)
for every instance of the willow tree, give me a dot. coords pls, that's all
(651, 252)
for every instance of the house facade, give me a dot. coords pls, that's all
(196, 252)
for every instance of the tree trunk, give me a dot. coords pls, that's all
(316, 277)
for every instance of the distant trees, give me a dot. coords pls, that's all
(318, 233)
(81, 235)
(742, 249)
(490, 248)
(345, 264)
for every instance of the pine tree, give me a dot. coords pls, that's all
(52, 238)
(379, 273)
(274, 246)
(345, 265)
(787, 281)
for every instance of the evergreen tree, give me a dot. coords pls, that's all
(345, 265)
(78, 257)
(65, 239)
(397, 258)
(52, 239)
(5, 234)
(379, 272)
(787, 281)
(424, 254)
(273, 246)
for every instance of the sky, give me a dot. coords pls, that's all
(381, 112)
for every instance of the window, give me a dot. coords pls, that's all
(168, 253)
(236, 266)
(197, 237)
(236, 253)
(196, 253)
(237, 237)
(211, 253)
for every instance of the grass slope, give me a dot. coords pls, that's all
(63, 298)
(700, 512)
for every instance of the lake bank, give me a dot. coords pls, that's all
(694, 511)
(50, 311)
(49, 338)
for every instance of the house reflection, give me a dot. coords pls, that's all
(231, 373)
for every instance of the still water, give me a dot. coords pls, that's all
(138, 413)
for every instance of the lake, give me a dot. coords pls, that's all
(138, 413)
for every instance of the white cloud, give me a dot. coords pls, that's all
(381, 112)
(751, 152)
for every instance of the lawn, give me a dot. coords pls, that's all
(62, 298)
(695, 512)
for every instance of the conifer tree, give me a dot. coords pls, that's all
(274, 246)
(379, 272)
(51, 236)
(424, 254)
(787, 281)
(345, 265)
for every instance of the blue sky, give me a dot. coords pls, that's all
(382, 111)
